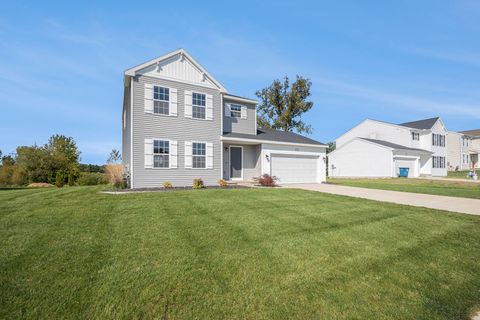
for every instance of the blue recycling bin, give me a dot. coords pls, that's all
(404, 172)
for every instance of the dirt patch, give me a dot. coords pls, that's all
(40, 185)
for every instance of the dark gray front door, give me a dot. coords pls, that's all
(235, 163)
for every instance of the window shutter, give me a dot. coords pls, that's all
(148, 96)
(148, 153)
(209, 155)
(209, 109)
(244, 112)
(227, 110)
(188, 154)
(188, 104)
(173, 102)
(173, 154)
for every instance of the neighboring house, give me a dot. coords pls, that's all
(179, 123)
(463, 150)
(381, 149)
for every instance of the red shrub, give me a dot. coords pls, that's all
(267, 180)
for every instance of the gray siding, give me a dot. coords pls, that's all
(238, 125)
(176, 128)
(251, 161)
(126, 128)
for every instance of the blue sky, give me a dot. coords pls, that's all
(61, 63)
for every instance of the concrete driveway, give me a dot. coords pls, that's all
(454, 204)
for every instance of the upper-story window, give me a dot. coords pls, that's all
(198, 105)
(161, 154)
(161, 98)
(199, 155)
(235, 110)
(438, 140)
(415, 136)
(465, 141)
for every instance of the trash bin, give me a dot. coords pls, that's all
(404, 172)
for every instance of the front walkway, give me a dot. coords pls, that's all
(454, 204)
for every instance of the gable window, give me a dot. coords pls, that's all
(415, 136)
(161, 98)
(199, 155)
(161, 154)
(235, 111)
(198, 105)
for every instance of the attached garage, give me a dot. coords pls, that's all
(411, 164)
(290, 168)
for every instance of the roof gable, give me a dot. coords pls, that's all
(177, 65)
(424, 124)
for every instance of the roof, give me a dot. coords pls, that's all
(132, 71)
(472, 132)
(394, 145)
(238, 98)
(421, 124)
(274, 135)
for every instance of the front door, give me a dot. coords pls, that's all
(236, 163)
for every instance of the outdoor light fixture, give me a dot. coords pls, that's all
(267, 157)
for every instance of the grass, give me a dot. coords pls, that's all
(458, 174)
(232, 254)
(436, 187)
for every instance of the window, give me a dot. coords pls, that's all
(235, 110)
(438, 162)
(415, 136)
(161, 97)
(161, 154)
(198, 105)
(199, 155)
(438, 140)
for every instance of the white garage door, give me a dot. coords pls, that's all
(294, 169)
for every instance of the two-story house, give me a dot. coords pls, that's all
(463, 150)
(381, 149)
(180, 123)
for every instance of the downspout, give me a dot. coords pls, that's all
(131, 133)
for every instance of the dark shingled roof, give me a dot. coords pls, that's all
(421, 124)
(475, 133)
(273, 135)
(394, 145)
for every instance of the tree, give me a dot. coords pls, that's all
(281, 105)
(331, 146)
(114, 156)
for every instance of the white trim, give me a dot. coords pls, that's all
(230, 163)
(169, 154)
(184, 54)
(131, 133)
(240, 99)
(206, 167)
(272, 142)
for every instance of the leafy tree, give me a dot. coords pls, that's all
(7, 170)
(331, 146)
(282, 105)
(114, 156)
(59, 179)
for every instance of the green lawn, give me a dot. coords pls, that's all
(458, 174)
(232, 254)
(437, 187)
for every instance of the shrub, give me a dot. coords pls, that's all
(198, 183)
(115, 175)
(92, 179)
(167, 185)
(71, 179)
(267, 180)
(222, 183)
(59, 179)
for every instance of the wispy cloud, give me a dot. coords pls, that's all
(458, 56)
(432, 106)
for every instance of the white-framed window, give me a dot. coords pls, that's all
(161, 153)
(161, 99)
(438, 162)
(199, 155)
(415, 136)
(198, 105)
(235, 111)
(438, 140)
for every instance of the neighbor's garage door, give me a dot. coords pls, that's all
(294, 169)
